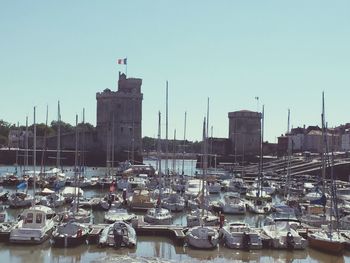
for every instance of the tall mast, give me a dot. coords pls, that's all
(174, 151)
(26, 146)
(183, 150)
(261, 152)
(82, 155)
(58, 158)
(42, 168)
(206, 134)
(34, 156)
(204, 164)
(323, 147)
(76, 163)
(166, 131)
(158, 145)
(112, 146)
(289, 152)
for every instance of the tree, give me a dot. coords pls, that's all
(4, 131)
(65, 127)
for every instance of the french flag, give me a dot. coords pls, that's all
(122, 61)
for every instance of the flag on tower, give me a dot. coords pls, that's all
(122, 61)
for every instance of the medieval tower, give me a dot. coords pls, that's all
(119, 120)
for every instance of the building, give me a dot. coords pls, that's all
(119, 119)
(345, 141)
(245, 132)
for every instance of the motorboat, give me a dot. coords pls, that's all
(118, 234)
(232, 204)
(158, 216)
(5, 225)
(193, 188)
(283, 234)
(174, 202)
(110, 200)
(236, 185)
(70, 193)
(239, 235)
(118, 214)
(70, 234)
(213, 187)
(52, 200)
(20, 200)
(196, 217)
(35, 226)
(202, 237)
(259, 206)
(141, 200)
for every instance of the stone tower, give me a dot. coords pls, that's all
(119, 119)
(245, 132)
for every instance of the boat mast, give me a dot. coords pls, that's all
(261, 153)
(42, 168)
(26, 146)
(206, 135)
(159, 159)
(324, 145)
(76, 164)
(183, 150)
(289, 152)
(34, 158)
(204, 165)
(166, 132)
(58, 156)
(174, 152)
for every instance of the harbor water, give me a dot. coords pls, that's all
(153, 248)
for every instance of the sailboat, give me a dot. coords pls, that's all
(259, 198)
(328, 239)
(76, 213)
(36, 223)
(203, 237)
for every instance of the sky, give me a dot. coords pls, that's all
(283, 52)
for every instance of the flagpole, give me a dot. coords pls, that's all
(126, 66)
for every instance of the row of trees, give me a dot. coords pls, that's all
(149, 144)
(41, 129)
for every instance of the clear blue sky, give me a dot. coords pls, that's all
(284, 52)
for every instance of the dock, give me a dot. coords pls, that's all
(175, 232)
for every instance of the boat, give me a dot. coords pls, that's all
(238, 235)
(35, 226)
(110, 200)
(118, 234)
(75, 214)
(174, 202)
(141, 200)
(158, 216)
(283, 234)
(70, 193)
(52, 200)
(259, 206)
(70, 234)
(193, 188)
(213, 187)
(202, 237)
(20, 200)
(236, 185)
(118, 214)
(325, 241)
(5, 225)
(232, 204)
(328, 238)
